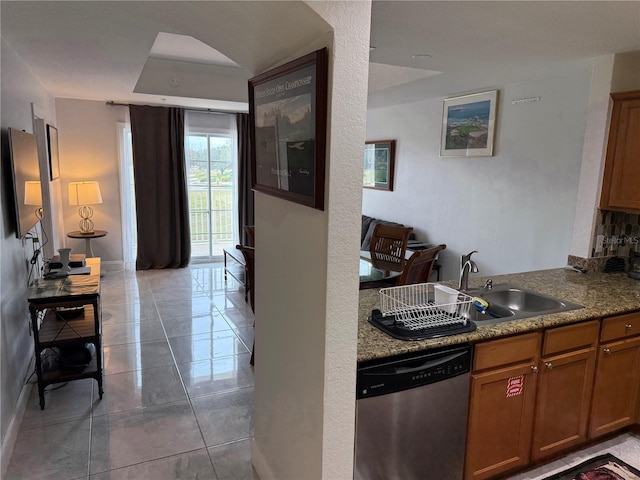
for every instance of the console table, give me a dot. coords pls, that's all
(65, 313)
(235, 266)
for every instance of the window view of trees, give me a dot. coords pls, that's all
(215, 162)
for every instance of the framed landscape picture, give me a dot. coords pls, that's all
(468, 124)
(288, 122)
(379, 164)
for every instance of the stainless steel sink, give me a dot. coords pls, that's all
(509, 302)
(522, 300)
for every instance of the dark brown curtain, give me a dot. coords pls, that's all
(245, 194)
(162, 207)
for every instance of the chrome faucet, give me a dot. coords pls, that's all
(468, 265)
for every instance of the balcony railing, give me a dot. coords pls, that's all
(211, 222)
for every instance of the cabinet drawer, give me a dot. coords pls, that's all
(622, 326)
(505, 351)
(571, 337)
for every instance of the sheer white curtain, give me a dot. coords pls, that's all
(127, 195)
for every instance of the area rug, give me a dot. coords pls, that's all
(603, 467)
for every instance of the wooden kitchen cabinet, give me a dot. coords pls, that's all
(564, 389)
(621, 181)
(503, 393)
(620, 327)
(638, 414)
(617, 384)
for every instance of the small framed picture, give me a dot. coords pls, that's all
(468, 125)
(288, 121)
(379, 164)
(54, 161)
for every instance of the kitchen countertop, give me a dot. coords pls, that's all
(601, 294)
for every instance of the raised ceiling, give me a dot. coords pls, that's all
(146, 51)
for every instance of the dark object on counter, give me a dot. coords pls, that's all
(75, 260)
(576, 268)
(634, 265)
(389, 325)
(614, 264)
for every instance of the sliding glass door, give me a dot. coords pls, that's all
(211, 162)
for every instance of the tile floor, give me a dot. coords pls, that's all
(178, 398)
(178, 390)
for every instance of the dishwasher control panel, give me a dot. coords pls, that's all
(423, 368)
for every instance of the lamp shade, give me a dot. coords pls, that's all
(84, 193)
(32, 193)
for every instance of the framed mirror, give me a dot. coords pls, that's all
(379, 164)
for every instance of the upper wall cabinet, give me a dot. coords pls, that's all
(621, 181)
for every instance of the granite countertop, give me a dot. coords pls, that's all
(601, 294)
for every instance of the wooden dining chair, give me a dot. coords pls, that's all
(389, 243)
(249, 258)
(419, 266)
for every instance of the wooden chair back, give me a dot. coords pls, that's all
(389, 243)
(250, 232)
(419, 266)
(249, 258)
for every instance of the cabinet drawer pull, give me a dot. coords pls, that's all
(534, 369)
(628, 326)
(549, 365)
(607, 351)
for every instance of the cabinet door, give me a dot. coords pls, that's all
(621, 182)
(564, 400)
(615, 396)
(500, 420)
(638, 415)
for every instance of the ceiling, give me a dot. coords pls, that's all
(147, 51)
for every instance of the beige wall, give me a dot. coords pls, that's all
(626, 72)
(20, 89)
(88, 138)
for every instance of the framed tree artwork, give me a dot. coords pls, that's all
(288, 122)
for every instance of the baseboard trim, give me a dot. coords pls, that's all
(259, 462)
(10, 438)
(112, 266)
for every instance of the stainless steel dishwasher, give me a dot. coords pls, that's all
(411, 416)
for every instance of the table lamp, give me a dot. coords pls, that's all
(33, 196)
(85, 194)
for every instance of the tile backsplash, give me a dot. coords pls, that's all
(620, 233)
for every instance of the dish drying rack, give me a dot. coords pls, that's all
(410, 312)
